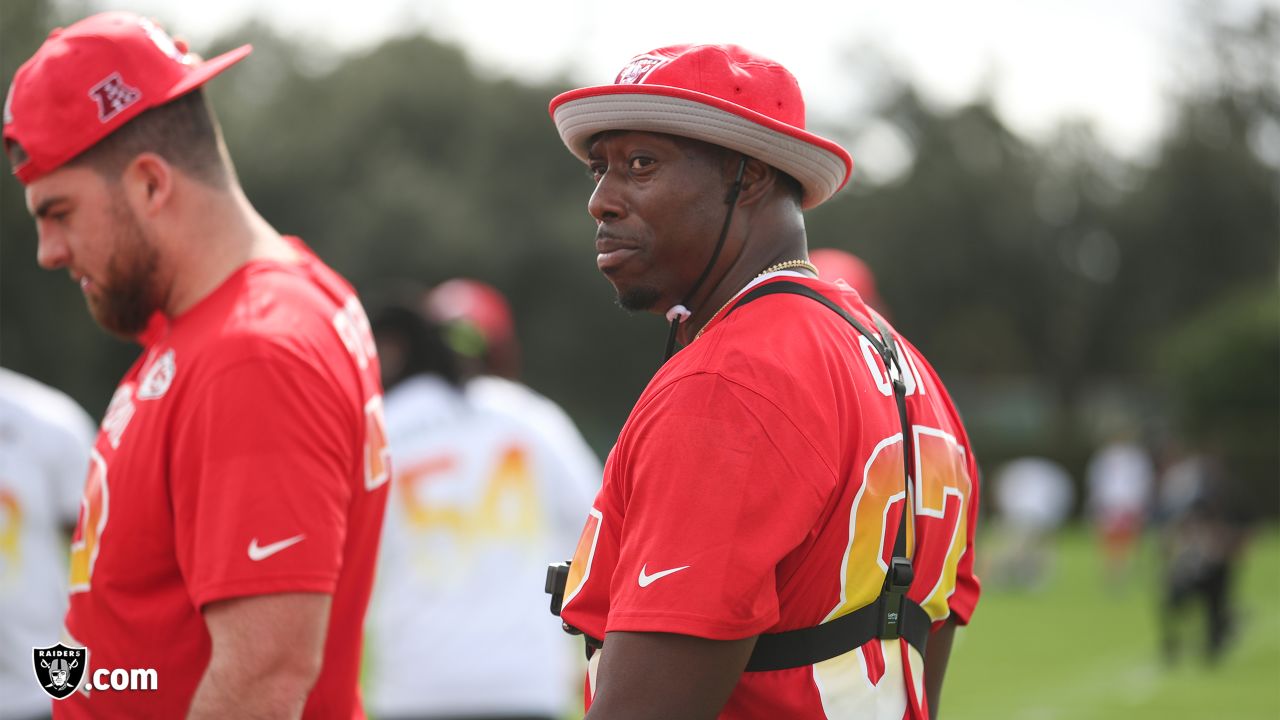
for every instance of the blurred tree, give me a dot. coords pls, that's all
(1222, 374)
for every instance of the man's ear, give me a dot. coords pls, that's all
(758, 180)
(148, 180)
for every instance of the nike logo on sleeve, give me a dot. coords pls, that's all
(646, 580)
(261, 552)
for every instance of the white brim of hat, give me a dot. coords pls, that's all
(821, 166)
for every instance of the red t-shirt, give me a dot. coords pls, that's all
(242, 454)
(756, 487)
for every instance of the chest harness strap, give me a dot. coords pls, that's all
(892, 614)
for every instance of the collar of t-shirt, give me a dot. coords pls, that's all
(754, 282)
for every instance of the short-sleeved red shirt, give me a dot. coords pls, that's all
(756, 487)
(241, 455)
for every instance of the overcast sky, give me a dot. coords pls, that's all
(1113, 61)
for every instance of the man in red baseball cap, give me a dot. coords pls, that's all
(839, 265)
(230, 519)
(786, 524)
(478, 326)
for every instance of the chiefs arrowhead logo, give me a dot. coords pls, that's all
(159, 377)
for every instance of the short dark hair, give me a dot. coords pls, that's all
(398, 318)
(792, 186)
(184, 132)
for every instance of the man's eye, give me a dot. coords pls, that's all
(596, 171)
(641, 162)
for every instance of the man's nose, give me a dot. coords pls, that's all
(52, 251)
(606, 202)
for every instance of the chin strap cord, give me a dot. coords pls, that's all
(680, 312)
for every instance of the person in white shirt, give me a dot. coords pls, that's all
(1119, 480)
(45, 441)
(490, 479)
(1033, 496)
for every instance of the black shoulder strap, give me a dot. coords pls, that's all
(892, 614)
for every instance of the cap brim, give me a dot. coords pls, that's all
(821, 166)
(205, 71)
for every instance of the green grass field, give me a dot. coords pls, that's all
(1075, 651)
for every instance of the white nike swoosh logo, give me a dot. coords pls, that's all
(262, 552)
(645, 580)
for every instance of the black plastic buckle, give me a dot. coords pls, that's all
(896, 583)
(557, 579)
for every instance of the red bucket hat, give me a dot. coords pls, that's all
(720, 94)
(87, 80)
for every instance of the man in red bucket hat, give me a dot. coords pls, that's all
(230, 519)
(748, 555)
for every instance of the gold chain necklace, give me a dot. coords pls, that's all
(777, 267)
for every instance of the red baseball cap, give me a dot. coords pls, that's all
(720, 94)
(473, 302)
(477, 324)
(87, 80)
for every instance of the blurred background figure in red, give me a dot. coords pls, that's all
(1119, 481)
(837, 265)
(477, 325)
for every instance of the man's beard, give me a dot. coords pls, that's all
(127, 297)
(638, 299)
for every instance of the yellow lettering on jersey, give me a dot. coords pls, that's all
(580, 567)
(881, 490)
(377, 455)
(94, 507)
(508, 507)
(10, 533)
(944, 476)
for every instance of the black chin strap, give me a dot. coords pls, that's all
(680, 313)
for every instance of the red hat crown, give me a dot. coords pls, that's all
(728, 72)
(720, 94)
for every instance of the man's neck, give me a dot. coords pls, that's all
(739, 275)
(220, 233)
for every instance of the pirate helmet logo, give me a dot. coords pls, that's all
(59, 669)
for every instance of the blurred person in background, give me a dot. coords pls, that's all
(1033, 496)
(1201, 542)
(45, 441)
(1119, 481)
(747, 555)
(837, 266)
(490, 480)
(230, 518)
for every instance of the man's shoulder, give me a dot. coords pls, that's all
(524, 409)
(507, 397)
(274, 312)
(772, 340)
(35, 404)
